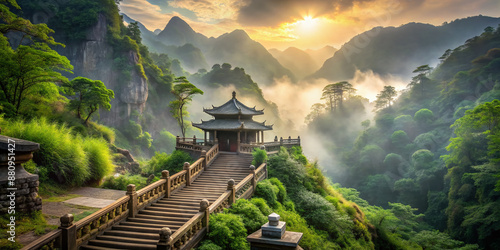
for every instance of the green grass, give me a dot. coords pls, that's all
(99, 157)
(61, 198)
(85, 213)
(24, 223)
(65, 157)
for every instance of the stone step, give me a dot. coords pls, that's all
(121, 245)
(154, 227)
(158, 222)
(127, 239)
(131, 234)
(191, 211)
(161, 213)
(148, 230)
(169, 218)
(89, 247)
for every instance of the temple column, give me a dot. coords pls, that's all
(205, 136)
(262, 136)
(215, 136)
(238, 148)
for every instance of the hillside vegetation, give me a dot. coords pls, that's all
(435, 147)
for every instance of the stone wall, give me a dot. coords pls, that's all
(26, 195)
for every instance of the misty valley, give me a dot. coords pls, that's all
(230, 122)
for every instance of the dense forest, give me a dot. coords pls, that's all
(434, 147)
(422, 174)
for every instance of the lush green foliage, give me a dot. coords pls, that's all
(228, 231)
(162, 161)
(183, 91)
(90, 96)
(62, 157)
(250, 214)
(404, 156)
(121, 182)
(259, 157)
(24, 223)
(99, 158)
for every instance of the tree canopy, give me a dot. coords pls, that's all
(32, 63)
(183, 91)
(90, 96)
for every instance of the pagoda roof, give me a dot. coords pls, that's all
(233, 107)
(232, 124)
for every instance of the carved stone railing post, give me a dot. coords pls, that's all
(204, 207)
(164, 243)
(204, 157)
(166, 175)
(132, 203)
(281, 141)
(275, 138)
(254, 179)
(298, 138)
(230, 186)
(68, 232)
(194, 139)
(188, 174)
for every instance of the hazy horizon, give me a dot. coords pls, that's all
(302, 24)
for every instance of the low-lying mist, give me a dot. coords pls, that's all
(294, 101)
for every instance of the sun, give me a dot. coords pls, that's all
(307, 25)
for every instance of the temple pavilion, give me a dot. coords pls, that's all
(233, 124)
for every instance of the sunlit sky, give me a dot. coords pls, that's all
(302, 23)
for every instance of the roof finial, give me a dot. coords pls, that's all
(234, 94)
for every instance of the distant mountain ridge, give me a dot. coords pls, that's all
(196, 51)
(302, 62)
(399, 50)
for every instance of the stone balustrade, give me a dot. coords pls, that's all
(72, 235)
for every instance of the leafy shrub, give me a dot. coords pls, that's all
(291, 173)
(259, 157)
(311, 238)
(165, 142)
(267, 191)
(208, 245)
(106, 133)
(121, 182)
(228, 231)
(424, 117)
(422, 159)
(399, 138)
(320, 213)
(262, 206)
(296, 153)
(173, 163)
(251, 215)
(99, 157)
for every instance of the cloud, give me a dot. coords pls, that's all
(267, 13)
(209, 11)
(148, 14)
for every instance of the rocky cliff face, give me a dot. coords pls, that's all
(93, 58)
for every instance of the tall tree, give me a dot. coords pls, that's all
(90, 96)
(385, 97)
(183, 91)
(421, 79)
(32, 63)
(336, 93)
(316, 110)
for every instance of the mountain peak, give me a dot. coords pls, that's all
(239, 33)
(177, 23)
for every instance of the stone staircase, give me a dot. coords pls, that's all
(141, 231)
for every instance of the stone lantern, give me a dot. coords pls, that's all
(18, 188)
